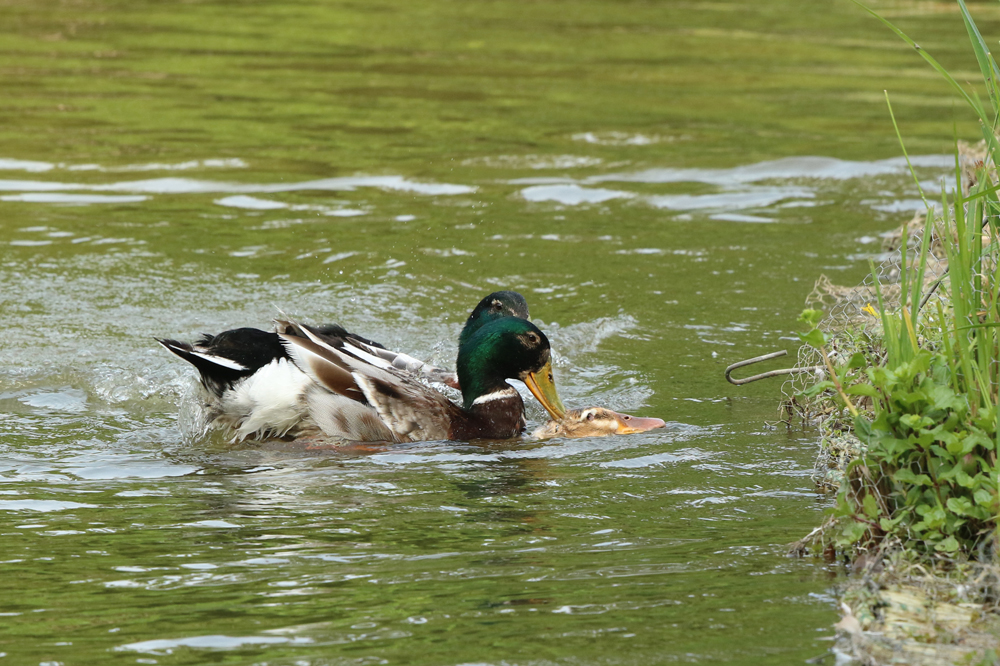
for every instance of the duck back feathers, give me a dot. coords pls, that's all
(407, 409)
(410, 410)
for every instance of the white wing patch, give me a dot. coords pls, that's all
(364, 355)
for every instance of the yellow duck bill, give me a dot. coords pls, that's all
(543, 387)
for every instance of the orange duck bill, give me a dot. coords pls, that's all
(628, 424)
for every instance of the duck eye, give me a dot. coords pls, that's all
(628, 418)
(497, 305)
(532, 338)
(590, 416)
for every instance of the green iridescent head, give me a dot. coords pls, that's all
(508, 348)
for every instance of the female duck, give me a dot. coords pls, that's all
(596, 422)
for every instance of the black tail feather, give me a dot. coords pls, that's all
(224, 359)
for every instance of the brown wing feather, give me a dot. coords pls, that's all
(409, 409)
(343, 419)
(324, 365)
(371, 352)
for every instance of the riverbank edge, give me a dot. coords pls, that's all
(897, 607)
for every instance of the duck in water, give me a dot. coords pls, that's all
(595, 422)
(363, 398)
(252, 388)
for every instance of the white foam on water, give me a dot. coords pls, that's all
(213, 642)
(77, 199)
(572, 195)
(253, 203)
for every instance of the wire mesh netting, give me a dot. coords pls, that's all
(852, 323)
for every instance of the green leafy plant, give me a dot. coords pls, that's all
(927, 471)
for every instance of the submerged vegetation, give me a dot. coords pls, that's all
(910, 402)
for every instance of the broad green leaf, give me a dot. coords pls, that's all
(935, 517)
(813, 338)
(906, 476)
(960, 505)
(811, 318)
(888, 524)
(942, 397)
(985, 497)
(862, 389)
(862, 428)
(975, 439)
(870, 506)
(853, 531)
(964, 479)
(915, 421)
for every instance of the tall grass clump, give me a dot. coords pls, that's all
(924, 402)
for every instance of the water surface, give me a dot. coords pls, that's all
(663, 181)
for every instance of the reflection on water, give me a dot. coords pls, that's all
(738, 188)
(35, 166)
(192, 186)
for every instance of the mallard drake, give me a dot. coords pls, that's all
(357, 396)
(496, 305)
(595, 422)
(252, 387)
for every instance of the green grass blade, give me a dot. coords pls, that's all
(987, 64)
(974, 103)
(906, 155)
